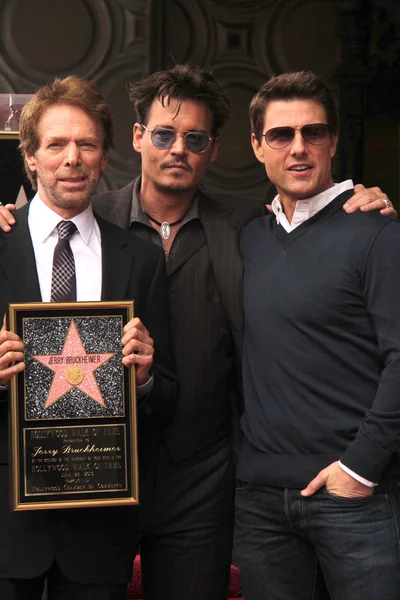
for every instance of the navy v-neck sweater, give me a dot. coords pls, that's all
(321, 347)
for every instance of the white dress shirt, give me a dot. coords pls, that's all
(85, 244)
(305, 209)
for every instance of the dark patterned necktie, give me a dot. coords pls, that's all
(63, 281)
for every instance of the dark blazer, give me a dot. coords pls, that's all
(94, 544)
(222, 222)
(223, 219)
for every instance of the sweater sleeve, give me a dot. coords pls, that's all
(378, 436)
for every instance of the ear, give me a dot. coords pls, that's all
(30, 161)
(257, 149)
(334, 142)
(214, 149)
(137, 137)
(104, 162)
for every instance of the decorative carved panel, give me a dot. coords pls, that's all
(104, 40)
(354, 44)
(244, 43)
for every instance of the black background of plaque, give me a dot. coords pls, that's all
(59, 423)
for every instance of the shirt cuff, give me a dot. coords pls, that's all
(143, 390)
(362, 480)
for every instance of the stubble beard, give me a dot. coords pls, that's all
(175, 188)
(74, 199)
(175, 185)
(71, 199)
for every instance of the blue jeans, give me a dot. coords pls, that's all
(293, 548)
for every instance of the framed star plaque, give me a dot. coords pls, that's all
(73, 437)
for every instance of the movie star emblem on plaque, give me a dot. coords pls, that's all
(73, 367)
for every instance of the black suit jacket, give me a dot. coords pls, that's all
(91, 545)
(222, 222)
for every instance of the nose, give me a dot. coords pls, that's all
(72, 155)
(179, 145)
(298, 145)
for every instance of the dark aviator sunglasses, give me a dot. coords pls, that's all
(196, 141)
(316, 134)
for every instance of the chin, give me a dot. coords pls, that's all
(72, 200)
(78, 196)
(304, 193)
(176, 186)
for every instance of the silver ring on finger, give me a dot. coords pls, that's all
(387, 202)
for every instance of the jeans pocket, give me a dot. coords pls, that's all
(242, 486)
(348, 499)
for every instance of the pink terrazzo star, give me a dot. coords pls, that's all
(73, 362)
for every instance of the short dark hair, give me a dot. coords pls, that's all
(72, 91)
(182, 82)
(302, 85)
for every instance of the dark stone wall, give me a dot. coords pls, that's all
(353, 44)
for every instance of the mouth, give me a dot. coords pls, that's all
(299, 168)
(177, 166)
(72, 181)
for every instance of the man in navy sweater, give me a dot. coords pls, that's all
(318, 500)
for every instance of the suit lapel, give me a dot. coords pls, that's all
(189, 245)
(223, 243)
(19, 264)
(117, 261)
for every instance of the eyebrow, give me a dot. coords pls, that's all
(174, 129)
(59, 138)
(54, 138)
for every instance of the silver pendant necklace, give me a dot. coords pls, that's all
(165, 227)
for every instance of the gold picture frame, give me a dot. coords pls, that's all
(72, 427)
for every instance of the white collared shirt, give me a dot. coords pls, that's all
(305, 209)
(85, 245)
